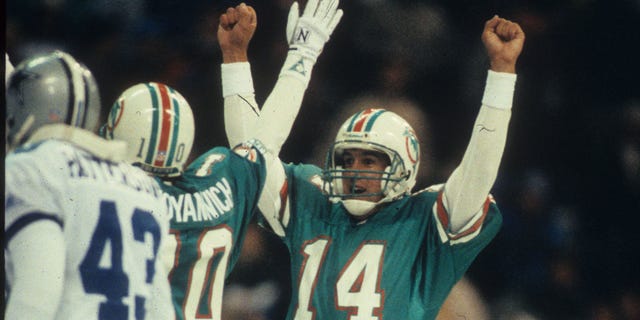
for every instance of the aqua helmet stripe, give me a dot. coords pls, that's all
(154, 124)
(372, 119)
(176, 127)
(364, 120)
(356, 121)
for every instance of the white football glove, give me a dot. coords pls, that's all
(309, 33)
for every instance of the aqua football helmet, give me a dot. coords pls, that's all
(46, 89)
(157, 123)
(376, 130)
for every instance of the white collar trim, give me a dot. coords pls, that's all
(112, 150)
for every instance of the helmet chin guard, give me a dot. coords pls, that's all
(359, 208)
(381, 131)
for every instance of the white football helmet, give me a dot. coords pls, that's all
(46, 89)
(157, 123)
(377, 130)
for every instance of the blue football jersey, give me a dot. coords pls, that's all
(400, 263)
(212, 204)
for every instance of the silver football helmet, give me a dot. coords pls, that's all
(46, 89)
(377, 130)
(157, 123)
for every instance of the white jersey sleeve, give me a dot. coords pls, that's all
(272, 125)
(36, 289)
(271, 200)
(283, 104)
(241, 112)
(467, 189)
(108, 222)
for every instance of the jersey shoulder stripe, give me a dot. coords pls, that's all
(25, 220)
(469, 231)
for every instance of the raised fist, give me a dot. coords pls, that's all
(235, 31)
(503, 40)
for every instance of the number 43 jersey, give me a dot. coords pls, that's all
(399, 264)
(113, 219)
(212, 204)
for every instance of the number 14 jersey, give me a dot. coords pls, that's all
(399, 264)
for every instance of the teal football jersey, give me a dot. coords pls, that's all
(212, 204)
(399, 264)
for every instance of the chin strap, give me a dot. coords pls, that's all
(362, 207)
(359, 208)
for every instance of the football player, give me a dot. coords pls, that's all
(83, 229)
(214, 198)
(211, 201)
(362, 244)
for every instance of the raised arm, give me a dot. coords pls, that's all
(307, 35)
(466, 191)
(235, 30)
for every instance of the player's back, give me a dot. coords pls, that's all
(212, 205)
(114, 220)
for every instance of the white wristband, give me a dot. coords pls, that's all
(236, 78)
(297, 65)
(498, 91)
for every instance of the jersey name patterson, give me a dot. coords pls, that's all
(207, 204)
(85, 166)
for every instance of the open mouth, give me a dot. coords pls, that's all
(359, 190)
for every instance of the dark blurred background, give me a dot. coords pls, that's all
(569, 185)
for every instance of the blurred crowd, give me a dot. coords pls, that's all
(569, 184)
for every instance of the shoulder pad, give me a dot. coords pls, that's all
(435, 188)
